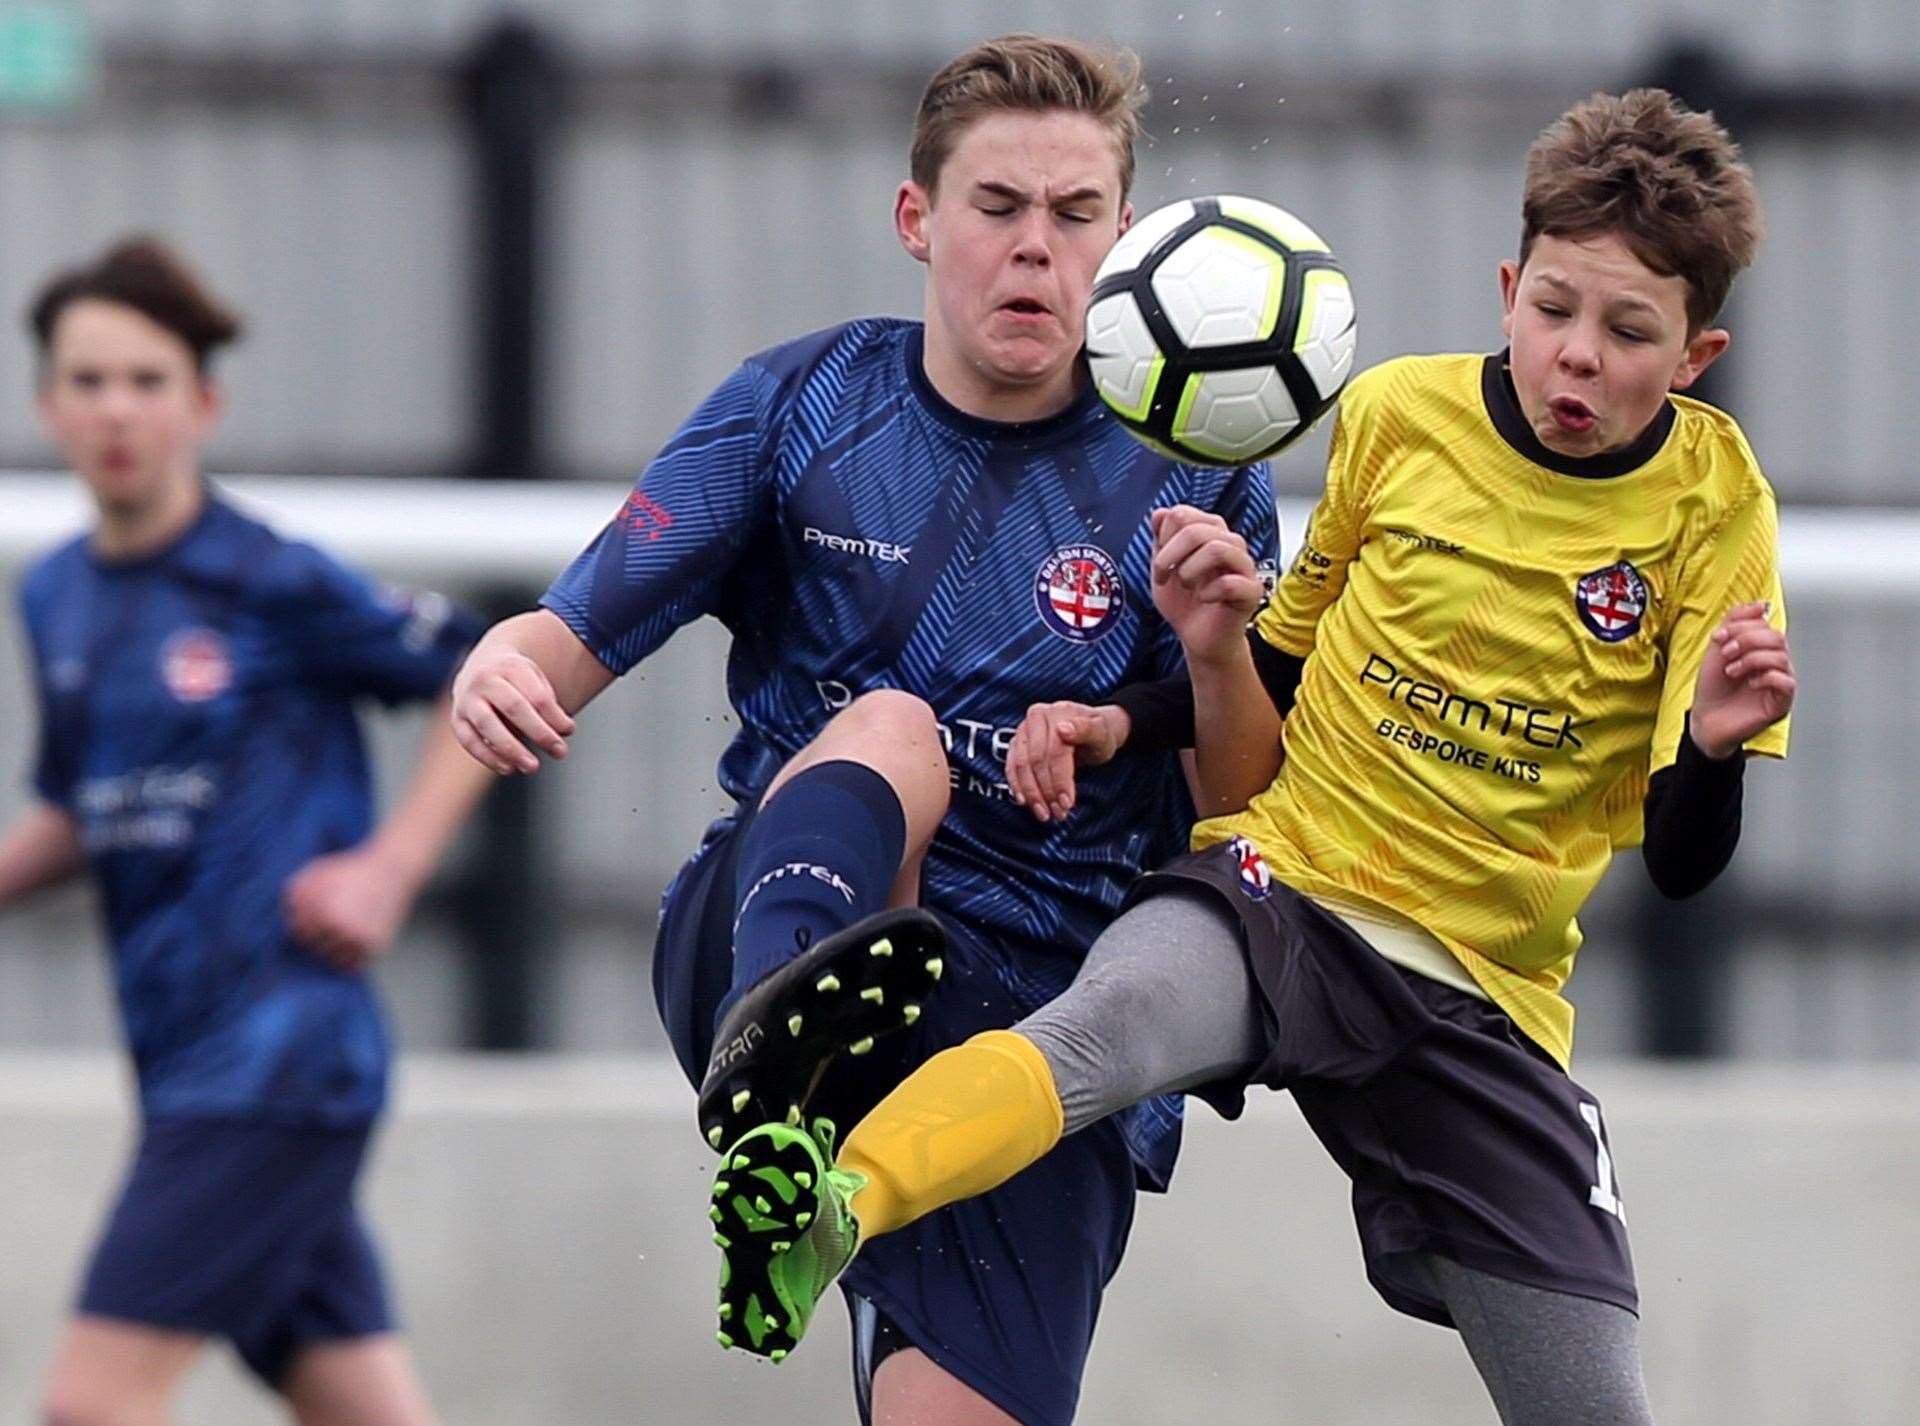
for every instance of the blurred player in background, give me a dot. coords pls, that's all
(914, 531)
(199, 756)
(1536, 619)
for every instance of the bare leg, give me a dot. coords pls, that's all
(897, 736)
(910, 1390)
(107, 1372)
(363, 1381)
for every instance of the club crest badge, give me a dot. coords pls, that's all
(1611, 602)
(1255, 879)
(1078, 593)
(195, 666)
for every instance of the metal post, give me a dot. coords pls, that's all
(1683, 949)
(511, 93)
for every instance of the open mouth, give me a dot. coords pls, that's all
(1025, 307)
(1572, 414)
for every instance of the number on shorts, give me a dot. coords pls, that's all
(1605, 1194)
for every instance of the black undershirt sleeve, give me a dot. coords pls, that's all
(1162, 712)
(1691, 816)
(1692, 819)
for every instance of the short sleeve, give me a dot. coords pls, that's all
(1738, 562)
(1318, 572)
(663, 560)
(54, 772)
(365, 638)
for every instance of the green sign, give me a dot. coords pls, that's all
(46, 55)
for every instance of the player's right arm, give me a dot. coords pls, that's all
(662, 561)
(43, 847)
(519, 690)
(39, 850)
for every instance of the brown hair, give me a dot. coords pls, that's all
(1034, 74)
(145, 274)
(1668, 180)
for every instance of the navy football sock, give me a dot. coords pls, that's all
(822, 853)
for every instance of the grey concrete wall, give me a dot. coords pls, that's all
(546, 1226)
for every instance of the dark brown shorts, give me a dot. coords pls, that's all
(1462, 1137)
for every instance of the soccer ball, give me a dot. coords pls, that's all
(1220, 329)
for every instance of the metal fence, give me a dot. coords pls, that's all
(718, 178)
(712, 179)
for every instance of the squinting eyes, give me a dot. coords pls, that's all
(1068, 214)
(140, 380)
(1626, 334)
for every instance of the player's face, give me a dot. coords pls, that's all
(1598, 340)
(121, 395)
(1024, 210)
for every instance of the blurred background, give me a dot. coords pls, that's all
(510, 245)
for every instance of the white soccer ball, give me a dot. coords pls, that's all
(1220, 329)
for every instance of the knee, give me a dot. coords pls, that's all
(1102, 1029)
(896, 734)
(892, 714)
(73, 1405)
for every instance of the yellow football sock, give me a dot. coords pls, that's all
(967, 1120)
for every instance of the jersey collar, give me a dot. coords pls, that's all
(1045, 431)
(210, 511)
(1503, 409)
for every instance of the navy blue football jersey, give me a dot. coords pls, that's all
(855, 531)
(197, 722)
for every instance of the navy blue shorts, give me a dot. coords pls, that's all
(244, 1230)
(1002, 1291)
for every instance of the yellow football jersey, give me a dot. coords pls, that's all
(1501, 646)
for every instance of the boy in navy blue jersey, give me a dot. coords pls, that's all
(915, 531)
(199, 756)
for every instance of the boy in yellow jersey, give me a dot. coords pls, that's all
(1536, 619)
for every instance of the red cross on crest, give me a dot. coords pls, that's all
(1611, 602)
(1078, 592)
(1256, 880)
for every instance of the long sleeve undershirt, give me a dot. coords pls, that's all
(1691, 815)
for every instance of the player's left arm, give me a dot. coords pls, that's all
(399, 646)
(1730, 691)
(349, 905)
(1207, 588)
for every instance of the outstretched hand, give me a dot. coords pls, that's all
(1746, 682)
(1053, 740)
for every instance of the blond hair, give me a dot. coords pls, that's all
(1032, 74)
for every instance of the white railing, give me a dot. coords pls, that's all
(476, 531)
